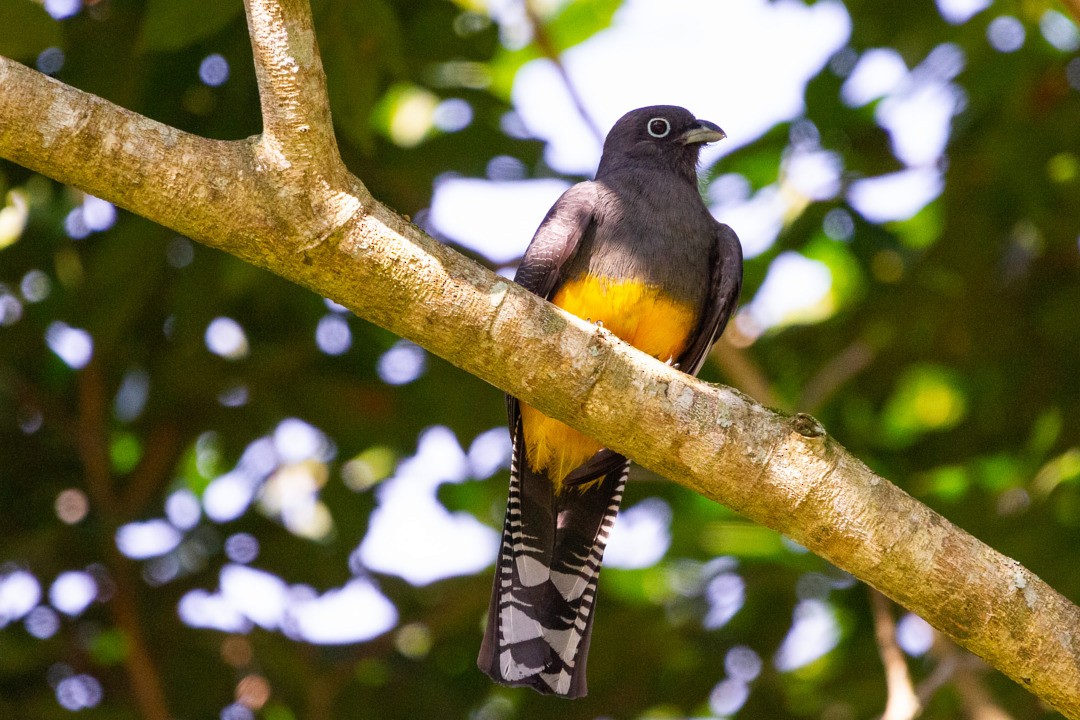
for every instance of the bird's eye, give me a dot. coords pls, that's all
(658, 127)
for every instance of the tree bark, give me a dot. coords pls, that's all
(284, 201)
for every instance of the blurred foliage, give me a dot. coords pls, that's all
(945, 357)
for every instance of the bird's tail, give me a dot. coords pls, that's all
(541, 612)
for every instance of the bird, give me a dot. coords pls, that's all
(637, 251)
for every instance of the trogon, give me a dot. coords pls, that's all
(637, 251)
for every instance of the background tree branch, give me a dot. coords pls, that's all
(322, 229)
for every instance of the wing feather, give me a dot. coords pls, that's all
(725, 284)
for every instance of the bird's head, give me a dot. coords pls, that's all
(658, 136)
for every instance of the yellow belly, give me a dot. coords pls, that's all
(637, 313)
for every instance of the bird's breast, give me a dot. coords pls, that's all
(637, 312)
(643, 315)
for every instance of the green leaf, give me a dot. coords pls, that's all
(575, 23)
(109, 647)
(36, 30)
(579, 21)
(174, 24)
(125, 451)
(741, 539)
(927, 398)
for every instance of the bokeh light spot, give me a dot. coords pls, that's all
(1006, 34)
(141, 540)
(333, 335)
(214, 70)
(75, 224)
(368, 468)
(132, 395)
(838, 224)
(960, 11)
(182, 509)
(742, 663)
(236, 711)
(503, 168)
(225, 338)
(78, 692)
(11, 309)
(72, 591)
(73, 345)
(452, 115)
(14, 215)
(402, 364)
(878, 72)
(180, 252)
(914, 635)
(242, 548)
(29, 419)
(71, 505)
(19, 593)
(35, 286)
(728, 696)
(62, 9)
(641, 536)
(814, 632)
(1072, 73)
(1059, 31)
(42, 622)
(725, 595)
(354, 613)
(253, 691)
(413, 640)
(50, 60)
(296, 440)
(234, 396)
(489, 452)
(201, 609)
(98, 214)
(334, 307)
(236, 651)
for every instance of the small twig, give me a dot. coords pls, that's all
(947, 656)
(1073, 7)
(92, 439)
(548, 48)
(93, 443)
(976, 700)
(163, 449)
(848, 363)
(902, 703)
(745, 374)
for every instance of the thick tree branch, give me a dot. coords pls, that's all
(326, 233)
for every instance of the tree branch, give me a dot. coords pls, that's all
(547, 47)
(1073, 6)
(902, 702)
(325, 232)
(93, 442)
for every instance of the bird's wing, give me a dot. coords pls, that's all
(557, 239)
(725, 283)
(541, 271)
(552, 248)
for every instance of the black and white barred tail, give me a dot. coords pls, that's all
(541, 612)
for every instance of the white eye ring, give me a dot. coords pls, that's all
(658, 132)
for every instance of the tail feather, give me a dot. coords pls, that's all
(541, 611)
